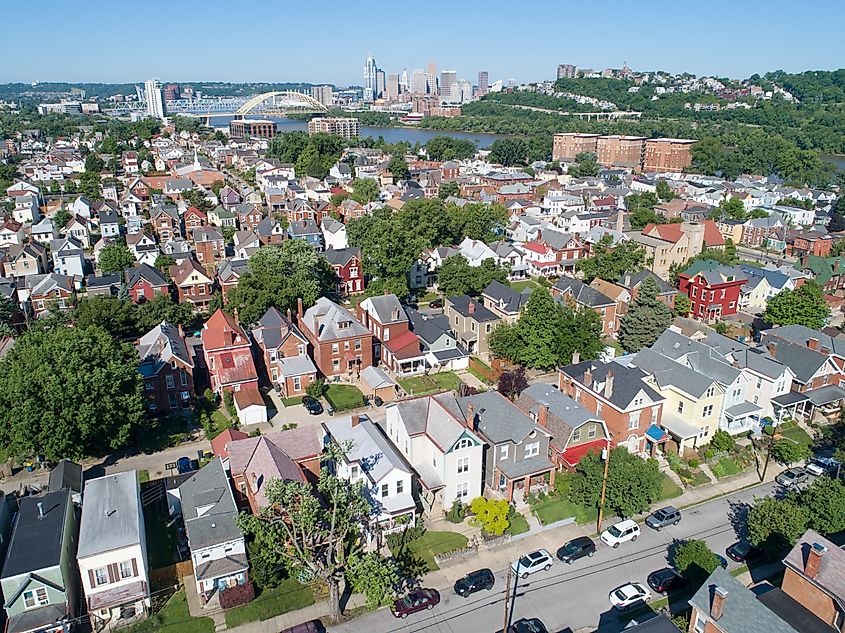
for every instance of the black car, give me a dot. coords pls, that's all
(575, 549)
(312, 405)
(742, 551)
(666, 579)
(475, 581)
(528, 625)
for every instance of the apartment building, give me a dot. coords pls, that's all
(667, 154)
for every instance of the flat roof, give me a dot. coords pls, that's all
(111, 514)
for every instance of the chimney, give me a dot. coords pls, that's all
(587, 379)
(356, 420)
(180, 330)
(576, 357)
(718, 605)
(813, 343)
(299, 307)
(814, 560)
(620, 221)
(471, 308)
(289, 315)
(470, 421)
(824, 350)
(543, 415)
(40, 510)
(608, 384)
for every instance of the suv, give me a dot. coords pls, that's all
(793, 478)
(575, 549)
(539, 560)
(475, 581)
(621, 532)
(819, 466)
(663, 517)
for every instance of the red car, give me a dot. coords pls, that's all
(415, 601)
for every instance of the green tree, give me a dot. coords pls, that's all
(69, 393)
(694, 560)
(374, 576)
(509, 151)
(682, 305)
(803, 306)
(89, 185)
(115, 258)
(7, 312)
(398, 168)
(585, 166)
(610, 263)
(365, 190)
(776, 523)
(734, 208)
(837, 215)
(163, 263)
(664, 191)
(449, 148)
(491, 515)
(787, 451)
(61, 218)
(722, 441)
(540, 326)
(279, 275)
(162, 308)
(450, 188)
(641, 206)
(116, 317)
(94, 163)
(646, 320)
(313, 536)
(456, 277)
(824, 500)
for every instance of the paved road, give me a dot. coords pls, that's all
(765, 258)
(570, 598)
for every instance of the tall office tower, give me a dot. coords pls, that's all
(483, 83)
(171, 92)
(418, 81)
(566, 71)
(323, 94)
(448, 79)
(392, 88)
(155, 101)
(403, 81)
(431, 78)
(370, 72)
(462, 91)
(380, 83)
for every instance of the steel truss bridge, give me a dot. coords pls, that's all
(278, 103)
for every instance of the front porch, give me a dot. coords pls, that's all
(521, 477)
(220, 574)
(741, 418)
(825, 403)
(684, 434)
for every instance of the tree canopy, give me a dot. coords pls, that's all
(116, 316)
(803, 306)
(509, 151)
(457, 277)
(115, 258)
(398, 168)
(646, 320)
(610, 263)
(449, 148)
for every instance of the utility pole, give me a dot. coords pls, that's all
(606, 455)
(507, 597)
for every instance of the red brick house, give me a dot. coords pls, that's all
(813, 574)
(167, 369)
(284, 350)
(143, 282)
(229, 274)
(193, 283)
(577, 294)
(51, 290)
(193, 218)
(801, 243)
(209, 245)
(341, 346)
(166, 222)
(394, 345)
(713, 289)
(249, 215)
(347, 266)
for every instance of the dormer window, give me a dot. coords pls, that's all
(342, 325)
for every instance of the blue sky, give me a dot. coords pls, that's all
(262, 40)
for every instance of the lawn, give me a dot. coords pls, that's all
(431, 543)
(421, 385)
(174, 618)
(161, 538)
(795, 433)
(556, 508)
(143, 476)
(475, 373)
(669, 489)
(344, 397)
(725, 467)
(522, 284)
(292, 402)
(288, 596)
(163, 433)
(518, 523)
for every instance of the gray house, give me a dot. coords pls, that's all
(471, 322)
(40, 579)
(517, 451)
(437, 341)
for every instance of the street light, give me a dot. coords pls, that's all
(605, 455)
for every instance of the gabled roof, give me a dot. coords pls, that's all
(506, 298)
(803, 361)
(144, 272)
(342, 256)
(831, 573)
(627, 382)
(497, 418)
(260, 461)
(370, 448)
(673, 233)
(583, 294)
(668, 373)
(696, 355)
(564, 414)
(273, 329)
(461, 305)
(221, 331)
(160, 346)
(632, 281)
(715, 273)
(802, 335)
(325, 320)
(185, 268)
(208, 507)
(387, 309)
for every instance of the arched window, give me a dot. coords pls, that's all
(464, 443)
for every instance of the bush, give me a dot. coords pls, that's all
(317, 389)
(722, 441)
(562, 483)
(769, 430)
(237, 595)
(410, 533)
(491, 515)
(709, 454)
(229, 401)
(457, 513)
(694, 463)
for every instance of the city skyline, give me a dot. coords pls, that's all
(703, 44)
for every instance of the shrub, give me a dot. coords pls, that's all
(769, 430)
(694, 463)
(317, 389)
(237, 595)
(562, 483)
(694, 559)
(709, 454)
(229, 401)
(722, 441)
(491, 515)
(542, 495)
(457, 513)
(410, 533)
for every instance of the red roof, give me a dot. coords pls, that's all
(402, 342)
(673, 233)
(574, 454)
(221, 331)
(534, 247)
(219, 443)
(248, 396)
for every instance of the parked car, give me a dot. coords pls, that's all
(527, 625)
(417, 600)
(314, 626)
(575, 549)
(184, 465)
(312, 405)
(793, 478)
(819, 466)
(629, 595)
(436, 304)
(621, 532)
(742, 551)
(539, 560)
(475, 581)
(666, 579)
(659, 519)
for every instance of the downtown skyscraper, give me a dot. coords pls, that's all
(371, 79)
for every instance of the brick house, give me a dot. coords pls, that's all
(574, 292)
(253, 463)
(713, 289)
(394, 345)
(50, 290)
(193, 283)
(756, 231)
(229, 273)
(166, 222)
(340, 345)
(347, 266)
(631, 410)
(801, 243)
(143, 282)
(284, 350)
(209, 245)
(249, 215)
(193, 218)
(813, 577)
(167, 369)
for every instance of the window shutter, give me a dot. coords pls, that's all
(134, 567)
(112, 572)
(91, 578)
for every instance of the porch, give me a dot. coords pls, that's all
(741, 418)
(825, 402)
(510, 477)
(221, 574)
(685, 434)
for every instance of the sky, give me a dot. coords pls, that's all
(327, 42)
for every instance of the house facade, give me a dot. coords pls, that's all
(340, 345)
(167, 369)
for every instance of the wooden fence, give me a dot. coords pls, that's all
(171, 574)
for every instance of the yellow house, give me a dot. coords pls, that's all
(693, 401)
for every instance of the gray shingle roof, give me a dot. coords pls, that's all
(209, 486)
(460, 303)
(497, 418)
(801, 334)
(370, 448)
(564, 415)
(667, 372)
(627, 381)
(831, 574)
(439, 417)
(803, 361)
(582, 293)
(324, 318)
(37, 543)
(388, 309)
(698, 356)
(508, 299)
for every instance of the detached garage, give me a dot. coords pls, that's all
(250, 405)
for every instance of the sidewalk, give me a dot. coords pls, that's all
(317, 611)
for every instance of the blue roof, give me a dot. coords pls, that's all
(656, 434)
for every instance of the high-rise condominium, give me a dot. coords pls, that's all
(448, 79)
(418, 81)
(370, 79)
(431, 78)
(155, 100)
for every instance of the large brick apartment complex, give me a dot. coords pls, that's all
(634, 152)
(347, 127)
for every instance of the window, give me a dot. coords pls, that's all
(699, 624)
(101, 576)
(463, 465)
(400, 486)
(463, 443)
(37, 598)
(708, 410)
(633, 420)
(759, 382)
(598, 408)
(345, 344)
(711, 391)
(335, 348)
(335, 364)
(680, 406)
(183, 378)
(168, 380)
(297, 383)
(357, 343)
(638, 402)
(385, 490)
(654, 415)
(462, 491)
(353, 472)
(503, 452)
(300, 349)
(736, 392)
(126, 569)
(592, 430)
(532, 450)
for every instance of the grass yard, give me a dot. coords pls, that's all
(556, 508)
(421, 385)
(292, 402)
(174, 618)
(161, 537)
(795, 433)
(431, 543)
(143, 476)
(518, 523)
(344, 397)
(483, 379)
(522, 284)
(725, 467)
(669, 489)
(163, 433)
(288, 596)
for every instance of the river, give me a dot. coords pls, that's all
(838, 160)
(390, 134)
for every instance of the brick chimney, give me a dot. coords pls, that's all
(470, 421)
(587, 379)
(814, 560)
(289, 314)
(299, 307)
(356, 420)
(576, 357)
(471, 307)
(608, 384)
(543, 415)
(720, 595)
(813, 343)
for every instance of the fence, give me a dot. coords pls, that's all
(171, 574)
(489, 374)
(472, 549)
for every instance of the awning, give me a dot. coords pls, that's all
(742, 410)
(429, 478)
(350, 356)
(573, 454)
(679, 428)
(825, 395)
(789, 399)
(656, 434)
(117, 596)
(531, 466)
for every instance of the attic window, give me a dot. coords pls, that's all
(342, 325)
(730, 278)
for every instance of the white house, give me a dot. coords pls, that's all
(432, 434)
(68, 257)
(78, 228)
(11, 232)
(83, 207)
(372, 458)
(45, 231)
(476, 251)
(27, 209)
(112, 554)
(216, 542)
(334, 233)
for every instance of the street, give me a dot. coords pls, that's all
(570, 598)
